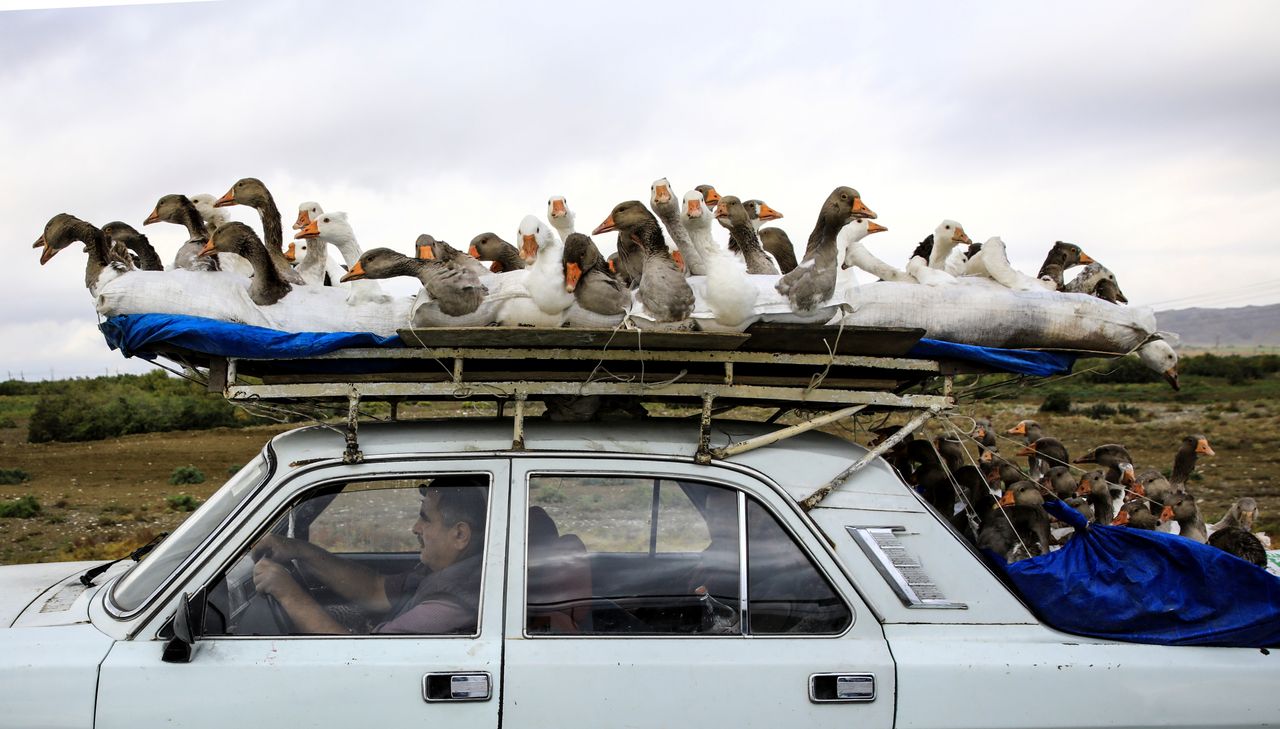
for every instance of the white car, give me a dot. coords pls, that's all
(617, 582)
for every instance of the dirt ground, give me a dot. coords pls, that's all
(102, 498)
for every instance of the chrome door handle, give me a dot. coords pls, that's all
(829, 688)
(462, 686)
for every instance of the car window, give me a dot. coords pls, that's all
(614, 554)
(400, 556)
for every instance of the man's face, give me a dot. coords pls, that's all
(441, 543)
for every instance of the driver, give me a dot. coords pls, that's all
(439, 596)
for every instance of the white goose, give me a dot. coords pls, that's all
(545, 283)
(307, 211)
(854, 254)
(993, 262)
(663, 202)
(728, 290)
(335, 230)
(560, 216)
(928, 261)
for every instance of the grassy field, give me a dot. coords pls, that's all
(98, 499)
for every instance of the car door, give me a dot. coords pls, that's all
(607, 623)
(244, 675)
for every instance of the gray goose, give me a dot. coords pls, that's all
(64, 229)
(1136, 514)
(1021, 519)
(455, 291)
(667, 208)
(144, 254)
(662, 289)
(1060, 481)
(774, 240)
(1184, 461)
(1061, 256)
(1183, 509)
(502, 255)
(814, 280)
(267, 286)
(1119, 464)
(743, 239)
(250, 191)
(594, 287)
(709, 195)
(1043, 454)
(1241, 515)
(1094, 488)
(179, 210)
(1241, 543)
(428, 246)
(1030, 430)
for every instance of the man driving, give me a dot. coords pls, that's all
(439, 596)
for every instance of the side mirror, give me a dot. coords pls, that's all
(188, 624)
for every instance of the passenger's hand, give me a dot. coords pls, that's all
(280, 549)
(270, 578)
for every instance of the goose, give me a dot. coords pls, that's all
(314, 267)
(856, 255)
(1021, 520)
(1030, 430)
(1096, 280)
(144, 253)
(504, 256)
(1241, 543)
(250, 191)
(998, 471)
(730, 292)
(307, 211)
(560, 216)
(600, 300)
(775, 240)
(179, 210)
(743, 239)
(992, 261)
(1158, 356)
(213, 218)
(1241, 515)
(268, 287)
(1184, 461)
(984, 435)
(429, 247)
(662, 291)
(1154, 486)
(1182, 508)
(1094, 487)
(1060, 481)
(335, 230)
(1061, 256)
(1136, 515)
(451, 296)
(946, 237)
(663, 201)
(918, 267)
(1119, 464)
(107, 261)
(546, 281)
(628, 261)
(709, 195)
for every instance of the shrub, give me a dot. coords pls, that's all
(1056, 402)
(233, 470)
(1101, 410)
(1129, 411)
(11, 476)
(8, 423)
(184, 475)
(23, 507)
(183, 502)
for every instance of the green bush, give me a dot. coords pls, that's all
(107, 407)
(1101, 410)
(183, 475)
(8, 423)
(23, 507)
(11, 476)
(233, 470)
(1129, 411)
(182, 502)
(1056, 402)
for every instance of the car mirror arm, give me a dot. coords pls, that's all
(188, 625)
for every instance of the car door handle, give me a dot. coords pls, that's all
(463, 686)
(827, 688)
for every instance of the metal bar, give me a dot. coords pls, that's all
(395, 410)
(816, 497)
(217, 375)
(457, 369)
(891, 363)
(703, 454)
(761, 441)
(352, 453)
(517, 435)
(728, 373)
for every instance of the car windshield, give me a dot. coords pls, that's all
(140, 582)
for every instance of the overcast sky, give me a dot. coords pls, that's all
(1145, 132)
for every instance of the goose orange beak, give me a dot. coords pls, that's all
(987, 457)
(154, 217)
(1166, 513)
(1086, 458)
(722, 212)
(1121, 519)
(529, 247)
(572, 273)
(712, 198)
(860, 210)
(496, 267)
(304, 218)
(613, 266)
(1085, 259)
(1019, 429)
(1137, 492)
(662, 194)
(291, 253)
(356, 272)
(311, 231)
(208, 250)
(768, 213)
(606, 226)
(875, 228)
(49, 251)
(1171, 377)
(1202, 447)
(693, 209)
(679, 259)
(474, 252)
(557, 208)
(1084, 488)
(1007, 499)
(1028, 450)
(225, 200)
(962, 237)
(426, 253)
(1126, 475)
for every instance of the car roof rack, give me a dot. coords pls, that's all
(833, 371)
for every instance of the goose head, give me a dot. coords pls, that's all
(854, 231)
(61, 231)
(1067, 255)
(558, 212)
(535, 237)
(661, 195)
(204, 203)
(625, 216)
(694, 213)
(234, 237)
(759, 213)
(247, 191)
(1022, 427)
(425, 247)
(172, 209)
(843, 204)
(1159, 356)
(333, 227)
(121, 232)
(381, 263)
(580, 256)
(490, 247)
(731, 212)
(709, 195)
(1180, 507)
(950, 234)
(307, 212)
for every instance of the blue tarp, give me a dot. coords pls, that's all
(1141, 586)
(131, 333)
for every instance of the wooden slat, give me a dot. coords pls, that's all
(812, 339)
(569, 337)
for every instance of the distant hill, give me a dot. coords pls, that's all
(1245, 326)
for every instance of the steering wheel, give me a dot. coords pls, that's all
(278, 613)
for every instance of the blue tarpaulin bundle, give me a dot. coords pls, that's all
(132, 334)
(1148, 587)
